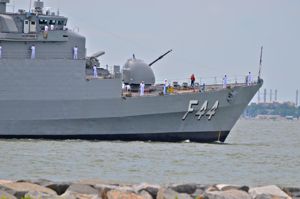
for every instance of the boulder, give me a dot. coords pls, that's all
(201, 190)
(212, 188)
(82, 189)
(39, 195)
(19, 189)
(115, 194)
(151, 189)
(146, 195)
(74, 195)
(59, 188)
(42, 182)
(167, 193)
(90, 181)
(266, 192)
(292, 191)
(184, 188)
(6, 195)
(106, 188)
(229, 194)
(5, 181)
(199, 193)
(225, 187)
(93, 182)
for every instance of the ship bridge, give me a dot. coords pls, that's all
(38, 27)
(32, 22)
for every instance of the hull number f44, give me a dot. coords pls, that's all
(203, 111)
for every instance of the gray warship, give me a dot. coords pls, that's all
(48, 90)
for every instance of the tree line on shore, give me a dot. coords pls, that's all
(282, 109)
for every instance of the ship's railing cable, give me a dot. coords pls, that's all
(206, 80)
(40, 54)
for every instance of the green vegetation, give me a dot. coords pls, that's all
(282, 109)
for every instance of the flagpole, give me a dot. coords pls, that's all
(260, 62)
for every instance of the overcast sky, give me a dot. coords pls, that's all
(209, 37)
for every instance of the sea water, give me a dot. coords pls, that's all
(257, 152)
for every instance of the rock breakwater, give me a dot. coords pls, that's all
(97, 189)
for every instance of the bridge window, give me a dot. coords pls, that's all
(43, 21)
(61, 23)
(52, 22)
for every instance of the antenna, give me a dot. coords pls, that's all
(13, 6)
(30, 5)
(58, 6)
(260, 62)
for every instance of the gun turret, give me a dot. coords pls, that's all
(92, 60)
(98, 54)
(136, 70)
(159, 58)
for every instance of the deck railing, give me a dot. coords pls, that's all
(171, 90)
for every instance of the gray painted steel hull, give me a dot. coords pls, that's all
(156, 118)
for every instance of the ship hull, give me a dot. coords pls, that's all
(149, 118)
(204, 137)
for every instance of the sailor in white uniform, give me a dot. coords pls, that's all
(225, 81)
(95, 71)
(123, 86)
(249, 79)
(0, 52)
(75, 52)
(142, 88)
(33, 52)
(46, 29)
(165, 87)
(128, 88)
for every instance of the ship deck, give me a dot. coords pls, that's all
(157, 90)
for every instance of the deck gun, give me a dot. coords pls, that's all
(136, 70)
(93, 59)
(159, 58)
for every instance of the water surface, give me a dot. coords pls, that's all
(255, 153)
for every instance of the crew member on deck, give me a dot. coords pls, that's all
(142, 88)
(225, 81)
(32, 52)
(95, 71)
(203, 87)
(193, 80)
(165, 87)
(128, 88)
(123, 85)
(0, 52)
(75, 52)
(46, 32)
(249, 79)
